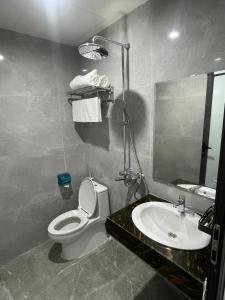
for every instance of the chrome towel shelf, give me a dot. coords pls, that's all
(91, 91)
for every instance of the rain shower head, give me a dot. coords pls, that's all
(93, 51)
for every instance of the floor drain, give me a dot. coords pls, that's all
(172, 235)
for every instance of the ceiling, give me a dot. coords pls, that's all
(65, 21)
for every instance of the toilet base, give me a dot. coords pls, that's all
(86, 242)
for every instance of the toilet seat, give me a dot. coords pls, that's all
(68, 222)
(74, 221)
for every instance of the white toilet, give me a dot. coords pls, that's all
(83, 229)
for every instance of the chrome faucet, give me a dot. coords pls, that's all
(180, 204)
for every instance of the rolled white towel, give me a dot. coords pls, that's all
(89, 79)
(90, 75)
(77, 82)
(104, 81)
(95, 80)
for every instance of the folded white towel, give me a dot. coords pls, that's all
(104, 81)
(90, 79)
(87, 110)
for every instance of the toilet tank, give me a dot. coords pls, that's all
(102, 200)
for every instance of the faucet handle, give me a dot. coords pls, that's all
(121, 178)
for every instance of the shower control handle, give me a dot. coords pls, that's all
(122, 178)
(123, 173)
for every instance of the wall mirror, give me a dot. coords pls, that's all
(189, 115)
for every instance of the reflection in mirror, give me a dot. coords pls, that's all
(209, 174)
(189, 117)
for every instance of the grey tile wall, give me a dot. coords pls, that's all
(154, 57)
(37, 139)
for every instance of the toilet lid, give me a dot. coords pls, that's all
(87, 196)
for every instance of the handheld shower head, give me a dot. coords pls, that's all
(93, 51)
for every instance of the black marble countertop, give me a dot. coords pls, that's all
(186, 269)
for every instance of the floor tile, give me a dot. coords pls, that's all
(111, 272)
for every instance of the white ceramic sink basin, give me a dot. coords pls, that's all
(163, 223)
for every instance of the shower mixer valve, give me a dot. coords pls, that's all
(129, 177)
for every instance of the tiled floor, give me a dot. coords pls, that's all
(111, 272)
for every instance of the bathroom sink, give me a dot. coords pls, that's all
(163, 223)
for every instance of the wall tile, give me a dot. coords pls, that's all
(34, 129)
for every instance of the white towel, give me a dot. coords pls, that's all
(90, 74)
(95, 80)
(87, 110)
(90, 79)
(104, 81)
